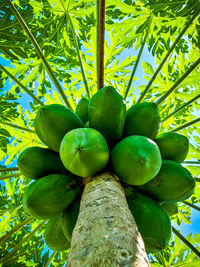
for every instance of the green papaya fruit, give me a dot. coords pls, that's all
(173, 183)
(173, 146)
(153, 222)
(49, 196)
(136, 160)
(82, 109)
(84, 152)
(170, 208)
(52, 122)
(107, 114)
(37, 162)
(69, 218)
(142, 119)
(54, 236)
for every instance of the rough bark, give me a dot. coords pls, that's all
(106, 234)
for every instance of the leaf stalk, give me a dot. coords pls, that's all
(22, 86)
(191, 205)
(191, 162)
(186, 125)
(17, 127)
(50, 259)
(79, 57)
(181, 108)
(138, 58)
(186, 242)
(15, 229)
(100, 42)
(10, 176)
(6, 258)
(176, 84)
(9, 169)
(39, 51)
(167, 55)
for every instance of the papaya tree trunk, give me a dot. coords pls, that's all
(106, 234)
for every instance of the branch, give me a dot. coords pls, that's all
(186, 242)
(182, 107)
(22, 86)
(100, 42)
(16, 126)
(10, 176)
(15, 229)
(191, 205)
(197, 179)
(50, 259)
(176, 84)
(186, 125)
(22, 242)
(9, 169)
(39, 51)
(167, 55)
(79, 57)
(138, 58)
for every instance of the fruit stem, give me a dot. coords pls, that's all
(16, 126)
(50, 259)
(186, 242)
(39, 52)
(181, 108)
(79, 56)
(100, 42)
(9, 169)
(138, 57)
(185, 125)
(15, 229)
(190, 22)
(176, 84)
(10, 176)
(22, 86)
(191, 205)
(6, 258)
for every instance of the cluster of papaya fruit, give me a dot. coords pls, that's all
(102, 136)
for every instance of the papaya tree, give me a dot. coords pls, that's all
(57, 54)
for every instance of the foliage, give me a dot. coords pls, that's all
(126, 23)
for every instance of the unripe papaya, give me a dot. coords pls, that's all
(136, 160)
(173, 183)
(153, 222)
(173, 146)
(142, 119)
(170, 208)
(52, 122)
(54, 236)
(37, 162)
(84, 152)
(69, 218)
(49, 196)
(107, 114)
(82, 109)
